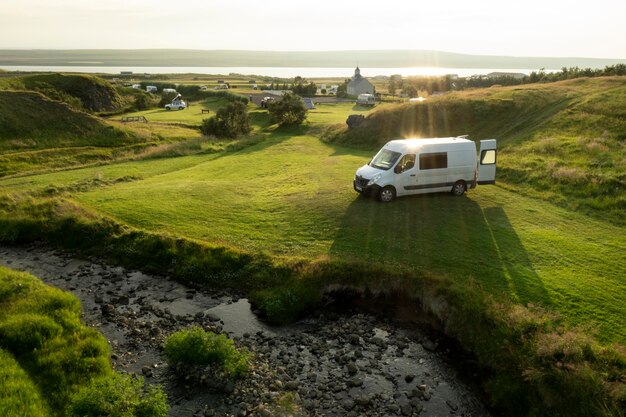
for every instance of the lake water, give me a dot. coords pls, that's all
(281, 72)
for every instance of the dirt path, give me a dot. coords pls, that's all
(334, 364)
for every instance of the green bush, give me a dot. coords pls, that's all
(229, 122)
(118, 396)
(288, 111)
(143, 101)
(196, 346)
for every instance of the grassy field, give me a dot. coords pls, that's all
(286, 193)
(293, 197)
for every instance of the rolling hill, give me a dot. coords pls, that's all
(560, 141)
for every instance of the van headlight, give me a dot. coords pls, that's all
(374, 179)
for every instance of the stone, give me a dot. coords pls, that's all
(355, 382)
(429, 345)
(348, 404)
(146, 371)
(352, 368)
(292, 385)
(452, 405)
(229, 387)
(108, 310)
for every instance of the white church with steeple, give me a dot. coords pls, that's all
(359, 85)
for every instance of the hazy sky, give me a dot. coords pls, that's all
(519, 28)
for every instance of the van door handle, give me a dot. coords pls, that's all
(412, 175)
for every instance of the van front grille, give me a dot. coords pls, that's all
(361, 182)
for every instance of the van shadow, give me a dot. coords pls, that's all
(441, 233)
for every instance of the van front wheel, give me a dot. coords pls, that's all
(387, 194)
(458, 188)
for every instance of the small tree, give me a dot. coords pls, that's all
(410, 90)
(143, 101)
(342, 89)
(288, 111)
(229, 122)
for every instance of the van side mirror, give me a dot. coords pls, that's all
(397, 169)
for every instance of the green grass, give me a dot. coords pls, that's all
(18, 394)
(289, 195)
(294, 198)
(563, 142)
(191, 116)
(48, 356)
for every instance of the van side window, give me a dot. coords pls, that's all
(434, 160)
(407, 162)
(488, 157)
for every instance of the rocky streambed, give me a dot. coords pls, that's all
(331, 364)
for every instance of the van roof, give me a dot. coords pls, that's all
(405, 145)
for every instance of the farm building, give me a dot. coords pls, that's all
(359, 85)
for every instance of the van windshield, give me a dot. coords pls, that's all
(385, 159)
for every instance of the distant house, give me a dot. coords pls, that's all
(126, 73)
(359, 85)
(516, 75)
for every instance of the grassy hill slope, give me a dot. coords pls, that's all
(32, 120)
(37, 132)
(48, 356)
(86, 92)
(562, 141)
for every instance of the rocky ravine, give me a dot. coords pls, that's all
(332, 364)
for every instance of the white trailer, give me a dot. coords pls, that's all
(419, 166)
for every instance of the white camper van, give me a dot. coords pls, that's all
(419, 166)
(366, 100)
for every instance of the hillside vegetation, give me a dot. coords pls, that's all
(563, 141)
(49, 359)
(87, 92)
(37, 132)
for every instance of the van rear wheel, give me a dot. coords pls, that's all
(458, 188)
(387, 194)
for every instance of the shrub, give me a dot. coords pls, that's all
(229, 122)
(196, 346)
(288, 111)
(118, 395)
(143, 101)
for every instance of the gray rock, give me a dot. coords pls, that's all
(430, 346)
(146, 371)
(352, 368)
(348, 404)
(292, 385)
(452, 405)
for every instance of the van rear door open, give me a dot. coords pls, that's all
(487, 162)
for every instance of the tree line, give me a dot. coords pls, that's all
(412, 85)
